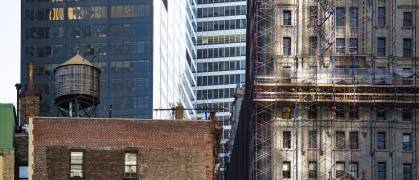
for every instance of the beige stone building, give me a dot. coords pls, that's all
(337, 97)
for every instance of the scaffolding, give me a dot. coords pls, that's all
(325, 91)
(264, 43)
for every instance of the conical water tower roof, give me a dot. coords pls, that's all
(77, 59)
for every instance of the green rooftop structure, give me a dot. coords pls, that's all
(7, 125)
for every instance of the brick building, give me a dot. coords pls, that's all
(7, 150)
(67, 148)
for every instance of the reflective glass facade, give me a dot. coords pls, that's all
(221, 54)
(143, 48)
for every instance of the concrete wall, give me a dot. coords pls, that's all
(7, 158)
(166, 149)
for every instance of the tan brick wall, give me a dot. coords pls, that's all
(7, 158)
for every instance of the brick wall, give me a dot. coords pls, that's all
(21, 148)
(7, 157)
(167, 149)
(29, 106)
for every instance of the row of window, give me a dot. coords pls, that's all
(220, 80)
(216, 1)
(221, 39)
(221, 11)
(341, 170)
(215, 93)
(35, 1)
(221, 66)
(221, 52)
(87, 31)
(119, 66)
(130, 84)
(77, 167)
(225, 105)
(340, 113)
(130, 102)
(91, 12)
(88, 49)
(221, 25)
(341, 139)
(353, 46)
(353, 17)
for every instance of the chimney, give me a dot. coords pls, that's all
(212, 116)
(29, 99)
(179, 112)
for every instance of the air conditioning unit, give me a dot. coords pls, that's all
(76, 174)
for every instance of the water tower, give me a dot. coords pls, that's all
(77, 88)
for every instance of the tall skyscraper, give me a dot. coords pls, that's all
(221, 42)
(145, 50)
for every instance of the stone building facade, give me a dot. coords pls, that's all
(334, 89)
(71, 148)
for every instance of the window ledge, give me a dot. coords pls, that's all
(383, 27)
(358, 150)
(407, 27)
(381, 150)
(404, 151)
(287, 26)
(285, 149)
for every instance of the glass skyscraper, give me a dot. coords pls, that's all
(145, 50)
(221, 54)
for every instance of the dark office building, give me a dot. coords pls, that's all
(143, 49)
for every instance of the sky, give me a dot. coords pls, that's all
(9, 49)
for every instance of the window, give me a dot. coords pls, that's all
(340, 169)
(23, 172)
(381, 140)
(381, 47)
(381, 170)
(287, 45)
(407, 19)
(92, 12)
(286, 137)
(354, 16)
(353, 169)
(381, 19)
(287, 17)
(76, 164)
(340, 45)
(340, 16)
(312, 141)
(381, 114)
(354, 140)
(407, 171)
(406, 142)
(286, 170)
(340, 113)
(312, 169)
(407, 47)
(353, 112)
(313, 15)
(407, 114)
(340, 140)
(353, 45)
(313, 45)
(130, 165)
(286, 113)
